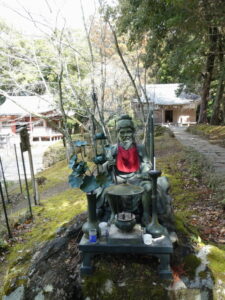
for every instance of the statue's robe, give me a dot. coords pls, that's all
(132, 166)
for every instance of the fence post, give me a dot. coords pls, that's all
(5, 212)
(25, 177)
(5, 184)
(18, 169)
(37, 192)
(32, 174)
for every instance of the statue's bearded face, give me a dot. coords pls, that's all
(126, 137)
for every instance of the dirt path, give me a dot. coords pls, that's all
(54, 190)
(213, 153)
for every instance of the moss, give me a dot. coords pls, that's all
(126, 280)
(56, 174)
(55, 212)
(191, 262)
(216, 259)
(180, 225)
(15, 278)
(3, 245)
(203, 274)
(215, 134)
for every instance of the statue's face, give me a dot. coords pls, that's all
(126, 137)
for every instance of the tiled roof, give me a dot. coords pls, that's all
(165, 94)
(23, 105)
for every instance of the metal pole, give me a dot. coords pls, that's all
(32, 174)
(25, 177)
(152, 146)
(5, 184)
(5, 212)
(18, 169)
(154, 227)
(150, 137)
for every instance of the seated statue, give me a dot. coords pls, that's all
(128, 162)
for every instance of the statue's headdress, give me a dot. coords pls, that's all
(124, 121)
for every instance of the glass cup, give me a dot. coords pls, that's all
(103, 226)
(92, 235)
(147, 238)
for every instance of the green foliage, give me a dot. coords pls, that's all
(53, 154)
(178, 39)
(87, 183)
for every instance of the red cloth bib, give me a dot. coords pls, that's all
(127, 161)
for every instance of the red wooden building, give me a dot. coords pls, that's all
(18, 111)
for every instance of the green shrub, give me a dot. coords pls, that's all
(53, 154)
(161, 130)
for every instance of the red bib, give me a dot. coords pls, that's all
(127, 161)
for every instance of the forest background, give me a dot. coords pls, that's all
(93, 74)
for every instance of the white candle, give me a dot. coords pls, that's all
(154, 163)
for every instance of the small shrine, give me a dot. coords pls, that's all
(129, 207)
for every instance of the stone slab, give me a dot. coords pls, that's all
(161, 245)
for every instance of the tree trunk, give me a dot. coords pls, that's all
(213, 34)
(215, 118)
(223, 108)
(128, 73)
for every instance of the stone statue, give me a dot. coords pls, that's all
(128, 162)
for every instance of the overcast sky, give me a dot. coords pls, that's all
(16, 12)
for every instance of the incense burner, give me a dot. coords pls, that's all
(125, 221)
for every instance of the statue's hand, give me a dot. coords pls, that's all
(111, 163)
(143, 176)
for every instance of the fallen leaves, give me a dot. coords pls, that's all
(209, 219)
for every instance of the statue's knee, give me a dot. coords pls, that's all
(147, 186)
(164, 184)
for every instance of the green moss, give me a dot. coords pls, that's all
(56, 174)
(3, 245)
(216, 259)
(191, 262)
(126, 280)
(214, 133)
(180, 225)
(15, 278)
(203, 274)
(55, 212)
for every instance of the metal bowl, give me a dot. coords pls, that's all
(125, 221)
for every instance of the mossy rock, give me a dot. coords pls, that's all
(16, 277)
(216, 258)
(125, 277)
